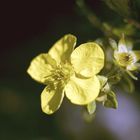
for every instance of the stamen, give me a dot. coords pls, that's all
(125, 59)
(59, 75)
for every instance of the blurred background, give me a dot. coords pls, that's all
(31, 27)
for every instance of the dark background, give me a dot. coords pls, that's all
(27, 29)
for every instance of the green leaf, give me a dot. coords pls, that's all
(126, 29)
(88, 118)
(111, 101)
(91, 107)
(102, 97)
(127, 84)
(114, 79)
(102, 80)
(105, 88)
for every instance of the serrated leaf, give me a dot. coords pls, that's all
(111, 101)
(91, 107)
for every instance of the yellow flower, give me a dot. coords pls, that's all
(67, 71)
(125, 57)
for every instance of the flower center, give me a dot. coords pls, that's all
(60, 75)
(125, 59)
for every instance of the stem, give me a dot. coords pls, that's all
(133, 22)
(93, 19)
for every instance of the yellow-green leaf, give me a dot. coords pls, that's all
(82, 91)
(91, 107)
(51, 99)
(101, 98)
(104, 88)
(63, 48)
(88, 59)
(111, 101)
(102, 79)
(127, 83)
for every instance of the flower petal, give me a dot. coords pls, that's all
(129, 45)
(82, 91)
(122, 45)
(132, 67)
(137, 55)
(113, 43)
(41, 67)
(87, 59)
(63, 48)
(51, 99)
(131, 75)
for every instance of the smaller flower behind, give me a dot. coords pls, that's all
(68, 71)
(106, 96)
(125, 57)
